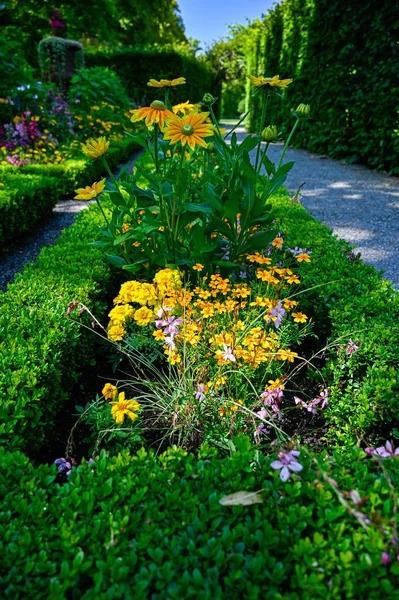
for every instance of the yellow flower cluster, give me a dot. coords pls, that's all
(164, 291)
(220, 314)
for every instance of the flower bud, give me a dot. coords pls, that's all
(269, 134)
(208, 99)
(210, 147)
(302, 111)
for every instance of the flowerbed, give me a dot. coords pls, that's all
(239, 319)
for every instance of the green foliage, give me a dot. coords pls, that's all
(343, 59)
(96, 85)
(140, 527)
(24, 200)
(136, 67)
(42, 352)
(101, 21)
(349, 300)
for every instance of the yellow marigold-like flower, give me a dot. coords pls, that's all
(303, 257)
(198, 267)
(122, 408)
(299, 317)
(166, 82)
(276, 383)
(143, 316)
(95, 148)
(90, 191)
(116, 333)
(109, 391)
(190, 130)
(270, 81)
(185, 108)
(155, 113)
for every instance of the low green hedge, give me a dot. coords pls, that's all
(31, 191)
(143, 527)
(41, 351)
(349, 300)
(24, 200)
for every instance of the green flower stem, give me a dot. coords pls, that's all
(287, 143)
(112, 177)
(156, 158)
(263, 155)
(175, 223)
(103, 213)
(262, 122)
(238, 124)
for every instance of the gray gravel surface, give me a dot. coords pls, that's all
(360, 205)
(45, 234)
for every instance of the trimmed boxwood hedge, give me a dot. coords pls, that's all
(30, 192)
(41, 351)
(349, 299)
(137, 527)
(24, 200)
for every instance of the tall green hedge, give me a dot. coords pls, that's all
(344, 59)
(136, 67)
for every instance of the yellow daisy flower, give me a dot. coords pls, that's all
(166, 82)
(190, 130)
(155, 113)
(123, 407)
(95, 148)
(185, 108)
(269, 81)
(90, 191)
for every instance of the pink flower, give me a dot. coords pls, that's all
(351, 347)
(385, 558)
(384, 451)
(287, 463)
(227, 353)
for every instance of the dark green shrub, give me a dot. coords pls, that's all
(144, 527)
(93, 85)
(137, 67)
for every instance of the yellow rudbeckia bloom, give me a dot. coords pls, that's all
(269, 81)
(95, 148)
(123, 407)
(90, 191)
(155, 113)
(185, 108)
(166, 82)
(190, 130)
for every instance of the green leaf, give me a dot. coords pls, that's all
(117, 261)
(138, 139)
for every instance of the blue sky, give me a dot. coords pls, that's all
(207, 20)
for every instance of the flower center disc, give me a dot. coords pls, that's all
(187, 130)
(158, 105)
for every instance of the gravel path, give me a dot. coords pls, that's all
(360, 205)
(45, 234)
